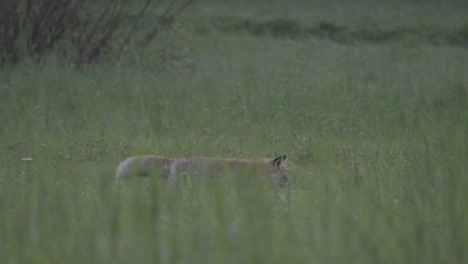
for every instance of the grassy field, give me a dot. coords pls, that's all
(368, 100)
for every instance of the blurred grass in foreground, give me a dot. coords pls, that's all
(376, 134)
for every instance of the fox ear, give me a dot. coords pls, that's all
(279, 161)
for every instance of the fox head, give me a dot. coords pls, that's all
(280, 172)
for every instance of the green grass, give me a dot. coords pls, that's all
(376, 135)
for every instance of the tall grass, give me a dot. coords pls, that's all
(376, 137)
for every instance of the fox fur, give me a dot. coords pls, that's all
(171, 169)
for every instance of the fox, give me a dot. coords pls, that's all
(172, 169)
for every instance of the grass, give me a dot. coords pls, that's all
(376, 135)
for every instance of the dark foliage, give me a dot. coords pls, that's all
(84, 28)
(287, 28)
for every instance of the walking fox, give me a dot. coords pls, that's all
(171, 169)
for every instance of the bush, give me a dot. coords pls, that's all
(81, 30)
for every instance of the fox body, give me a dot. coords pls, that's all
(171, 169)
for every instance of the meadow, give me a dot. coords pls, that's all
(368, 100)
